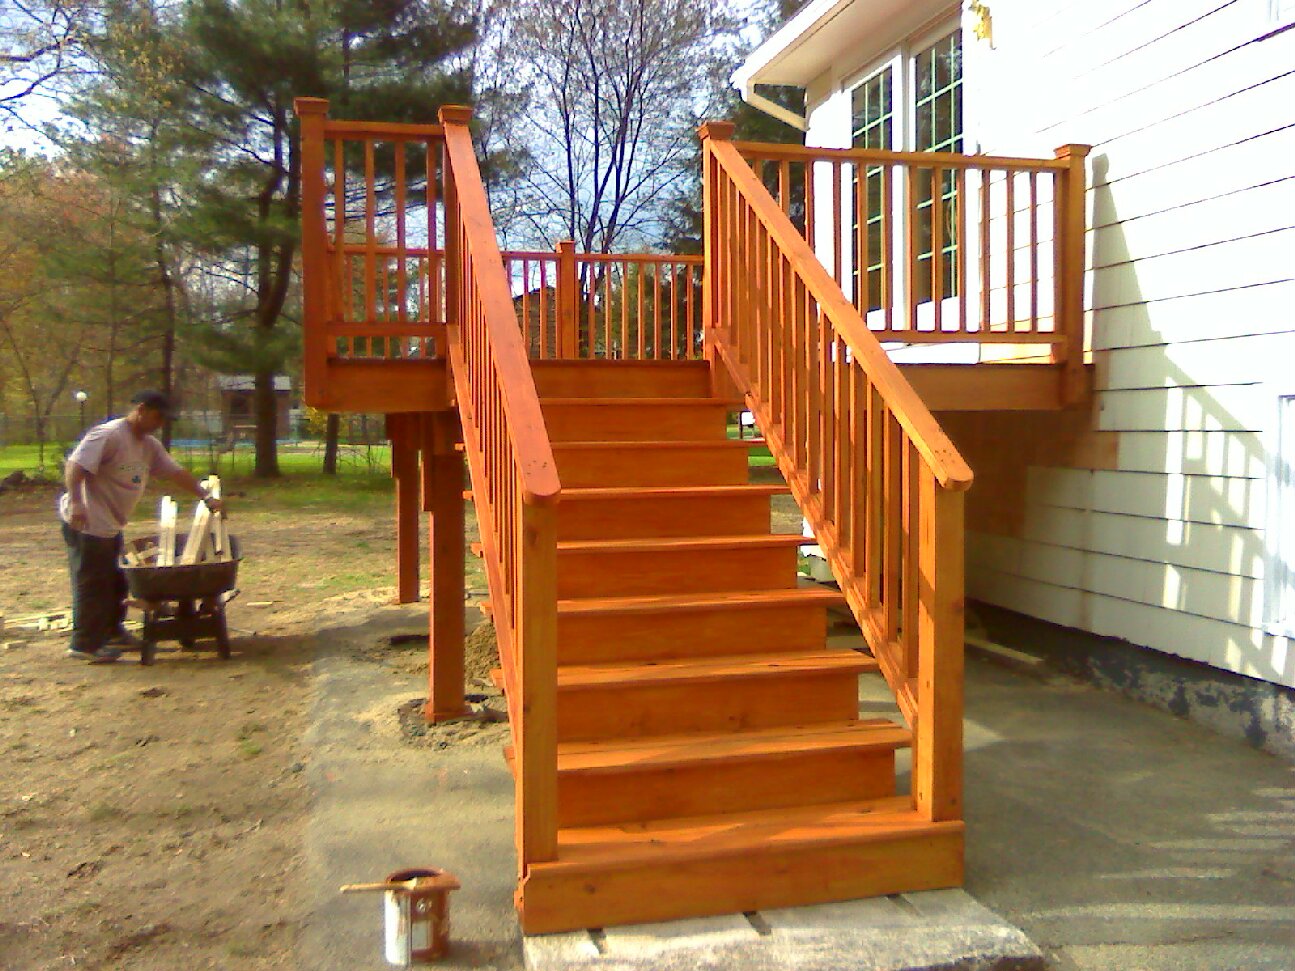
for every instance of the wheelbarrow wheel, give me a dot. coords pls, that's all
(222, 637)
(147, 652)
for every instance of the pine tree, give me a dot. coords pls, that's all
(230, 70)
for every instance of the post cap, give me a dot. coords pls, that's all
(719, 131)
(1073, 151)
(455, 114)
(310, 106)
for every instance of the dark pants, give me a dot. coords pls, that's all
(98, 588)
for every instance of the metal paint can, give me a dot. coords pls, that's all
(417, 918)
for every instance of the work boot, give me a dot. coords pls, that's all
(105, 655)
(124, 638)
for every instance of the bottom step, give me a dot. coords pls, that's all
(635, 873)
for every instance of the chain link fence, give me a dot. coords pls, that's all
(202, 441)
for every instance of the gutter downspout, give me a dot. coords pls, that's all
(771, 108)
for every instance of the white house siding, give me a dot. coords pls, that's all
(1190, 110)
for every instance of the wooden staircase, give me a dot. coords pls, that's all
(684, 742)
(710, 757)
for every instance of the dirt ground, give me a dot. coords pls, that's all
(152, 818)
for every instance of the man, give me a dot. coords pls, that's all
(105, 477)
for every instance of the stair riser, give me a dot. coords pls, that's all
(590, 379)
(662, 517)
(802, 779)
(732, 704)
(657, 636)
(587, 468)
(644, 572)
(635, 423)
(779, 877)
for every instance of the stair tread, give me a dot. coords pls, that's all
(728, 834)
(729, 403)
(682, 544)
(713, 667)
(702, 601)
(663, 751)
(667, 492)
(723, 443)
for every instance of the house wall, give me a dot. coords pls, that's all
(1144, 519)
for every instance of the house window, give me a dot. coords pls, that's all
(911, 103)
(872, 123)
(1280, 599)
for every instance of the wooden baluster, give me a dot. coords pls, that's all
(878, 415)
(985, 276)
(910, 246)
(862, 297)
(810, 215)
(912, 472)
(658, 323)
(370, 238)
(1011, 250)
(860, 395)
(1034, 252)
(402, 280)
(673, 297)
(892, 581)
(784, 187)
(838, 260)
(827, 354)
(960, 273)
(342, 309)
(937, 245)
(887, 246)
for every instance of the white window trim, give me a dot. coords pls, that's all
(902, 62)
(1279, 575)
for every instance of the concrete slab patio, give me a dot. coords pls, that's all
(1116, 836)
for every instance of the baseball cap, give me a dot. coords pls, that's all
(154, 400)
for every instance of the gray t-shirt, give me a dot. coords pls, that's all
(119, 464)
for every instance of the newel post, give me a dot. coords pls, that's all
(714, 282)
(312, 114)
(937, 736)
(1072, 226)
(451, 116)
(567, 302)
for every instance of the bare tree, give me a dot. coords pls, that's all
(39, 41)
(611, 92)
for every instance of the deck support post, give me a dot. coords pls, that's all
(443, 479)
(402, 430)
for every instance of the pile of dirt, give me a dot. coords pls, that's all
(480, 652)
(486, 724)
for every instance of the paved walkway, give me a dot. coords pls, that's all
(1118, 837)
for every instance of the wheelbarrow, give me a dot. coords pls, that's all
(184, 602)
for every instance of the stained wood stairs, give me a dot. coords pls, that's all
(710, 754)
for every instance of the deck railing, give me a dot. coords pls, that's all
(613, 306)
(370, 288)
(935, 247)
(878, 480)
(514, 480)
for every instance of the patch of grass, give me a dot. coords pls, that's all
(249, 729)
(103, 811)
(249, 749)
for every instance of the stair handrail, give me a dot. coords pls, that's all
(514, 479)
(876, 477)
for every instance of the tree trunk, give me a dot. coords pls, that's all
(266, 409)
(332, 432)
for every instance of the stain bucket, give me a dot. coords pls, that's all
(417, 917)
